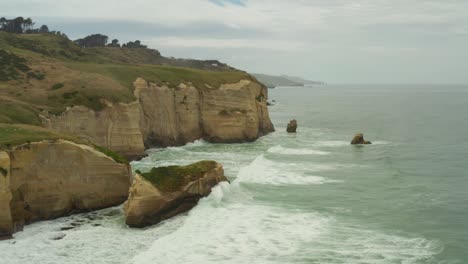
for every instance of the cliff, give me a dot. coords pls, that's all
(52, 178)
(168, 116)
(167, 191)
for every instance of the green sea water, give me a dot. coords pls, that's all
(308, 197)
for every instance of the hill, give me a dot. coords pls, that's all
(49, 72)
(272, 81)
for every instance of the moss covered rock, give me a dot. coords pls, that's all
(167, 191)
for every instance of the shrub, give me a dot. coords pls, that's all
(57, 86)
(115, 156)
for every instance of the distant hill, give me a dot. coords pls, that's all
(303, 81)
(272, 81)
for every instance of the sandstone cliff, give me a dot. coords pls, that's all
(168, 116)
(52, 178)
(167, 191)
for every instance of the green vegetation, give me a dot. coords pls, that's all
(115, 156)
(3, 171)
(14, 112)
(172, 178)
(57, 86)
(36, 75)
(172, 76)
(11, 66)
(85, 76)
(14, 135)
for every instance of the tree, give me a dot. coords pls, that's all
(95, 40)
(27, 24)
(114, 43)
(17, 25)
(44, 29)
(134, 45)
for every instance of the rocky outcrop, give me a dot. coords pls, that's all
(167, 191)
(359, 140)
(115, 127)
(167, 116)
(292, 126)
(49, 179)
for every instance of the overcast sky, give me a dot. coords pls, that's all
(337, 41)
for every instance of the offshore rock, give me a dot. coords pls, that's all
(292, 126)
(359, 140)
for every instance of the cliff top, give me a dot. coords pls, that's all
(15, 135)
(172, 178)
(47, 72)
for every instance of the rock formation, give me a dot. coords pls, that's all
(359, 140)
(53, 178)
(167, 191)
(292, 126)
(164, 116)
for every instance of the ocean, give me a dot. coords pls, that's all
(308, 197)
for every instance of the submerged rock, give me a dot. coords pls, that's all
(292, 126)
(167, 191)
(359, 140)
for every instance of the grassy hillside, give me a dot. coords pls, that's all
(46, 72)
(274, 81)
(14, 135)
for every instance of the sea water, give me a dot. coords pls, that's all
(308, 197)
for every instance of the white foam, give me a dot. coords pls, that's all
(253, 233)
(235, 233)
(265, 171)
(295, 151)
(331, 143)
(381, 142)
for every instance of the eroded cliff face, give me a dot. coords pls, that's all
(164, 116)
(49, 179)
(116, 127)
(148, 205)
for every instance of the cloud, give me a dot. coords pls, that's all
(279, 35)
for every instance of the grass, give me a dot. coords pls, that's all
(11, 66)
(172, 178)
(115, 156)
(77, 76)
(14, 135)
(126, 74)
(15, 112)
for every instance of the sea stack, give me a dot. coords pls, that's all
(168, 191)
(292, 126)
(359, 140)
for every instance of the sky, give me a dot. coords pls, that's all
(336, 41)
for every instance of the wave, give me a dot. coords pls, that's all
(265, 171)
(299, 151)
(253, 233)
